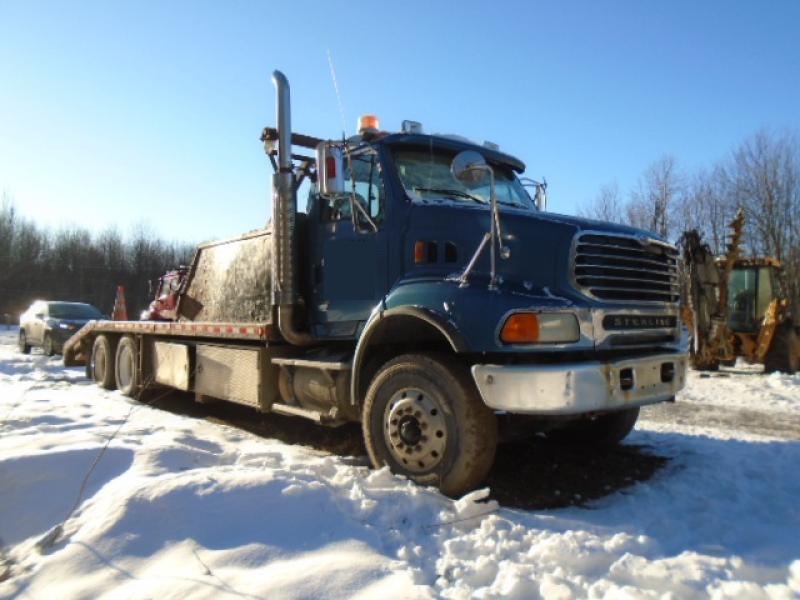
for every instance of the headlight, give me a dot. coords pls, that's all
(540, 328)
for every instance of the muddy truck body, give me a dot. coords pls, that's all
(423, 293)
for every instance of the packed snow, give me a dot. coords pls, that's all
(104, 497)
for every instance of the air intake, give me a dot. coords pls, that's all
(625, 268)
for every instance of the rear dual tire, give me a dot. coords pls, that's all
(126, 372)
(102, 362)
(114, 364)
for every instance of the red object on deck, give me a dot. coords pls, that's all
(120, 308)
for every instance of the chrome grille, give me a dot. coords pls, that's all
(625, 269)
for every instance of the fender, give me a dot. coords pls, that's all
(379, 317)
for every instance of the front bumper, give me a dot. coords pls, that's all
(581, 387)
(60, 335)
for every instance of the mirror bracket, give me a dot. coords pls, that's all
(470, 168)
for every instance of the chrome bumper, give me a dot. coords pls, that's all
(575, 388)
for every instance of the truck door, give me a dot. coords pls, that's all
(349, 251)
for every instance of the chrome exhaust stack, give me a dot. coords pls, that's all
(284, 215)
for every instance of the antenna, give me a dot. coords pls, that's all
(336, 89)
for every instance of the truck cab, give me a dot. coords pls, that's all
(165, 292)
(568, 320)
(402, 233)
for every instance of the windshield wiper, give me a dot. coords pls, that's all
(451, 192)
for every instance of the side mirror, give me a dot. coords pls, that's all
(541, 197)
(330, 169)
(539, 193)
(470, 168)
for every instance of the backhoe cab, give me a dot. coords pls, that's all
(759, 316)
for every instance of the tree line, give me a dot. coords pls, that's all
(72, 264)
(761, 176)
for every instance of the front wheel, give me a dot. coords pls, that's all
(24, 346)
(784, 352)
(48, 346)
(423, 418)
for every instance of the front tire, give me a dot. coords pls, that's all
(103, 359)
(423, 418)
(24, 346)
(48, 346)
(784, 352)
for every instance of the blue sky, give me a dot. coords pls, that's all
(116, 113)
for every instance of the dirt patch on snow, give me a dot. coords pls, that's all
(536, 474)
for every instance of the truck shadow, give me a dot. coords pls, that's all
(542, 474)
(532, 474)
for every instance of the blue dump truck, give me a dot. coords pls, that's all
(424, 293)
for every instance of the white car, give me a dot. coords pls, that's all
(50, 324)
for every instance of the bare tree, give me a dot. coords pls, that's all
(707, 206)
(652, 199)
(72, 264)
(606, 206)
(764, 177)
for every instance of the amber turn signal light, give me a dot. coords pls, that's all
(419, 252)
(521, 328)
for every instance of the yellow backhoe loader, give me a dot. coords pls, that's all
(735, 306)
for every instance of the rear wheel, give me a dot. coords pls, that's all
(784, 352)
(102, 365)
(48, 346)
(423, 418)
(605, 430)
(125, 370)
(24, 346)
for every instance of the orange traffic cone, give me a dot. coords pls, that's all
(120, 309)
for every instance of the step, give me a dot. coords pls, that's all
(323, 365)
(313, 415)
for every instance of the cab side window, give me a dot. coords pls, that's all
(364, 178)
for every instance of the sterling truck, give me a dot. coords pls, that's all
(425, 294)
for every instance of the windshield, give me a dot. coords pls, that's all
(425, 175)
(65, 310)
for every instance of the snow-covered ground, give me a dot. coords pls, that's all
(179, 506)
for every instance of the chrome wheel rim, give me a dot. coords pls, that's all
(415, 430)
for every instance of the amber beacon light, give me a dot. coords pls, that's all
(368, 124)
